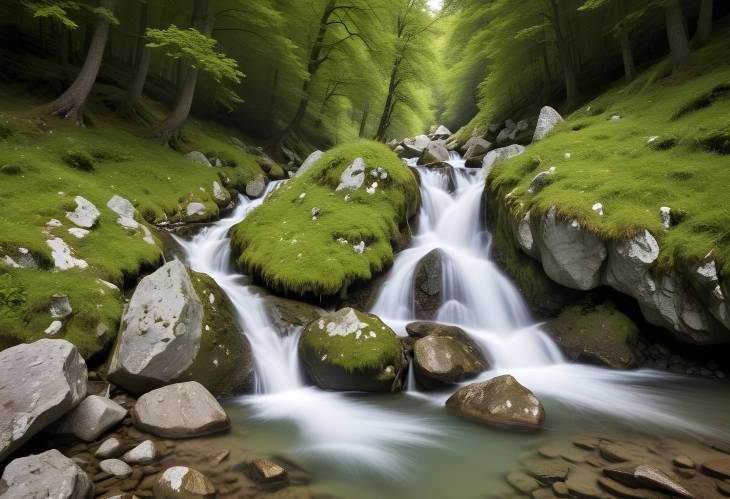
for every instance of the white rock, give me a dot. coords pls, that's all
(53, 328)
(61, 254)
(53, 223)
(359, 248)
(547, 120)
(9, 261)
(78, 232)
(85, 215)
(60, 307)
(115, 467)
(598, 208)
(195, 210)
(125, 210)
(353, 176)
(496, 156)
(219, 193)
(311, 160)
(665, 213)
(198, 157)
(144, 453)
(111, 447)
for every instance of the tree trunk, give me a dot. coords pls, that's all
(676, 33)
(312, 67)
(387, 115)
(364, 120)
(627, 53)
(140, 76)
(565, 52)
(139, 48)
(71, 103)
(704, 23)
(169, 130)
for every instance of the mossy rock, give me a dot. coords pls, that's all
(308, 238)
(596, 334)
(352, 350)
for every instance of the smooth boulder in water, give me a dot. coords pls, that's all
(39, 383)
(50, 474)
(434, 152)
(352, 350)
(427, 285)
(500, 402)
(178, 327)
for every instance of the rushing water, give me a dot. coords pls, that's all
(405, 444)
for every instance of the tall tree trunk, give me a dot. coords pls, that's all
(627, 53)
(313, 65)
(140, 77)
(71, 103)
(364, 119)
(704, 23)
(566, 53)
(676, 33)
(169, 130)
(387, 115)
(139, 48)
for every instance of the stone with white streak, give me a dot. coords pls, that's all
(62, 257)
(547, 120)
(85, 215)
(46, 475)
(144, 453)
(78, 232)
(570, 254)
(39, 383)
(181, 482)
(353, 176)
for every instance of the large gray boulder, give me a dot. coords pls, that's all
(93, 417)
(353, 176)
(570, 254)
(39, 383)
(500, 402)
(311, 160)
(441, 133)
(178, 327)
(255, 188)
(85, 215)
(547, 120)
(352, 350)
(290, 316)
(182, 410)
(434, 152)
(496, 156)
(427, 285)
(474, 154)
(46, 475)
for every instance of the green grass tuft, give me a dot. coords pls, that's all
(290, 252)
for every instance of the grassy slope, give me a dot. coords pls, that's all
(281, 244)
(612, 163)
(157, 180)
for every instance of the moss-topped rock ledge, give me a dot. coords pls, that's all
(352, 350)
(629, 192)
(339, 222)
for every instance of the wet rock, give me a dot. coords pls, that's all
(443, 360)
(560, 489)
(111, 447)
(353, 176)
(352, 350)
(645, 475)
(181, 410)
(198, 157)
(723, 487)
(718, 468)
(161, 339)
(413, 148)
(570, 254)
(311, 160)
(522, 482)
(441, 133)
(599, 335)
(618, 489)
(265, 471)
(499, 402)
(621, 452)
(45, 475)
(85, 215)
(477, 149)
(39, 383)
(93, 417)
(547, 120)
(255, 188)
(547, 471)
(290, 315)
(181, 482)
(447, 173)
(427, 285)
(522, 232)
(196, 212)
(144, 453)
(116, 468)
(434, 152)
(684, 462)
(496, 156)
(583, 484)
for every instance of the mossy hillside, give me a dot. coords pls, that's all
(224, 363)
(283, 245)
(38, 182)
(615, 163)
(25, 299)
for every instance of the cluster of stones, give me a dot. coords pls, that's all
(607, 466)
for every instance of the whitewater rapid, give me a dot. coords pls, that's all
(354, 433)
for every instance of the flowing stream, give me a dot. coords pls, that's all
(406, 444)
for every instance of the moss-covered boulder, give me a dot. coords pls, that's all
(352, 350)
(178, 327)
(596, 334)
(309, 237)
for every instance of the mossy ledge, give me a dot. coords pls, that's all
(301, 240)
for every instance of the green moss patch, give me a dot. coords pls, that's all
(301, 239)
(647, 159)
